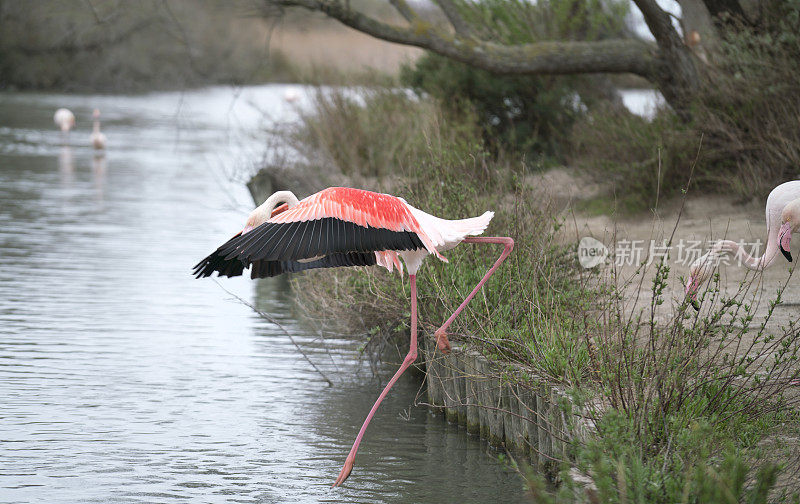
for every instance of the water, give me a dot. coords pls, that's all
(123, 379)
(643, 102)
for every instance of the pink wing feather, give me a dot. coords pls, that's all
(365, 208)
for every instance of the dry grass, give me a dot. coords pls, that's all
(339, 48)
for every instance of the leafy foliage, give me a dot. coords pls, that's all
(746, 114)
(641, 160)
(749, 109)
(526, 114)
(530, 115)
(513, 22)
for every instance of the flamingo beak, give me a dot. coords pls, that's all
(784, 241)
(691, 290)
(279, 209)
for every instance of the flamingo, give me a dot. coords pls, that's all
(783, 218)
(291, 95)
(97, 138)
(340, 226)
(64, 119)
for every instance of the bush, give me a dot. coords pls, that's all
(376, 132)
(689, 471)
(641, 160)
(750, 108)
(524, 114)
(746, 113)
(687, 397)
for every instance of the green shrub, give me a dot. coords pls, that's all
(525, 114)
(641, 160)
(376, 132)
(746, 112)
(687, 471)
(749, 109)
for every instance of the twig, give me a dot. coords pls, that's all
(273, 321)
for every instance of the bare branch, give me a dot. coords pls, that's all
(273, 321)
(454, 16)
(567, 57)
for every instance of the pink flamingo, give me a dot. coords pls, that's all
(97, 138)
(64, 119)
(783, 217)
(339, 226)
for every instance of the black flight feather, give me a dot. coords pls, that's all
(275, 248)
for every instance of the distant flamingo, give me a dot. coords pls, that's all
(291, 95)
(783, 217)
(97, 138)
(340, 226)
(64, 119)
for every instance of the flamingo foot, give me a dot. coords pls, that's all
(345, 472)
(442, 343)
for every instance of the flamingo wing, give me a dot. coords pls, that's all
(264, 269)
(335, 227)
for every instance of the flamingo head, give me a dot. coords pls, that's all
(699, 272)
(790, 221)
(275, 204)
(96, 114)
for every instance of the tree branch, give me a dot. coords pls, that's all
(678, 76)
(568, 57)
(659, 22)
(454, 16)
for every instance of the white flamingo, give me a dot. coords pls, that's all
(64, 119)
(97, 138)
(783, 217)
(291, 95)
(339, 226)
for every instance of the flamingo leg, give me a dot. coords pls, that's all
(441, 334)
(410, 357)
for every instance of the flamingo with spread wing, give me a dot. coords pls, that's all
(340, 226)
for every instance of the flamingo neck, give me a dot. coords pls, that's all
(287, 197)
(96, 127)
(753, 263)
(263, 212)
